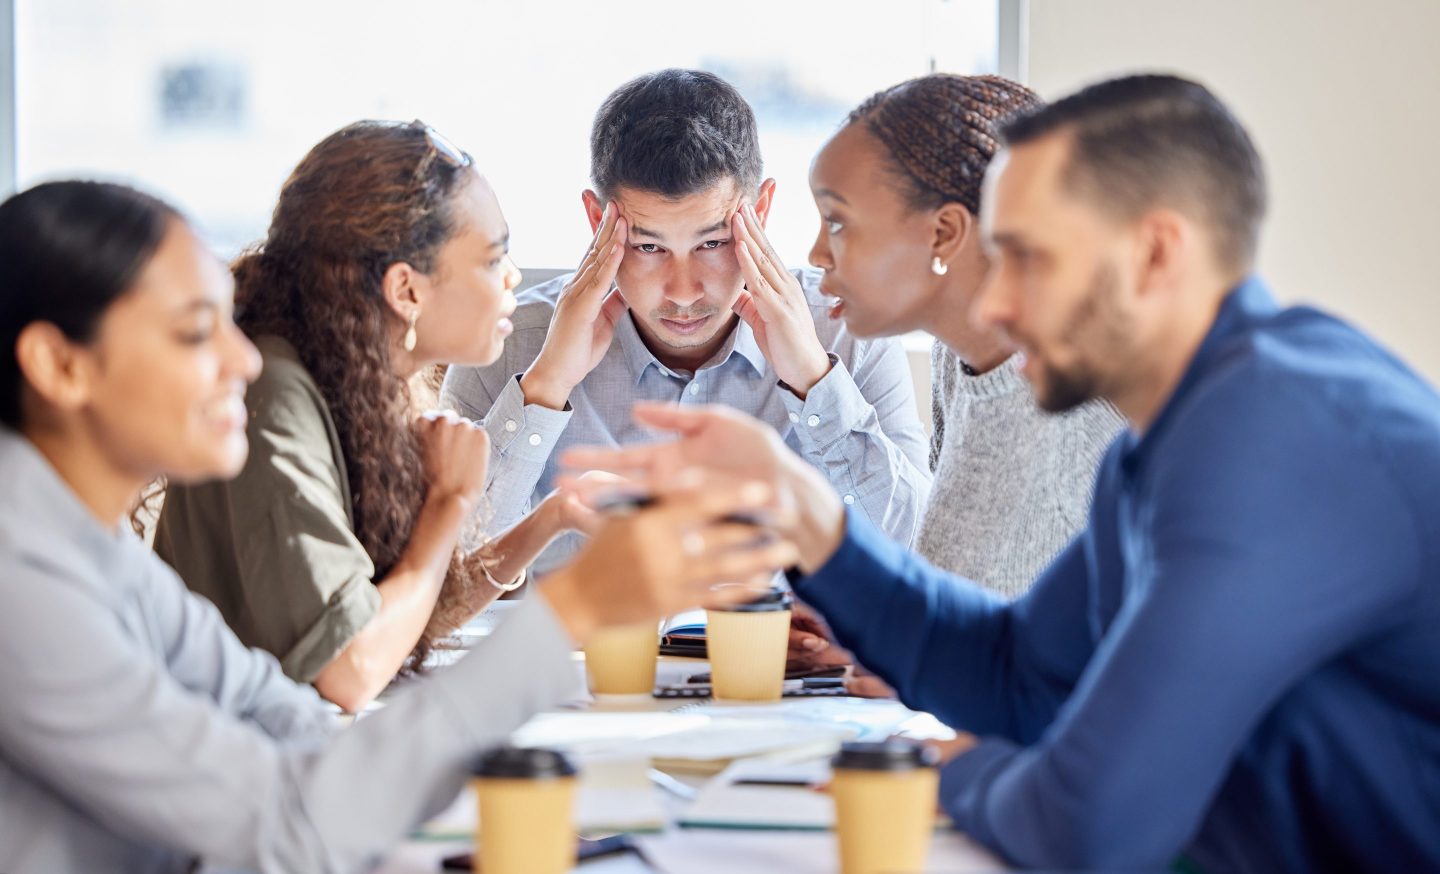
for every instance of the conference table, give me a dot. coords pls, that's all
(797, 841)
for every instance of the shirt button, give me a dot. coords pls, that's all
(534, 439)
(694, 388)
(813, 421)
(849, 499)
(795, 417)
(510, 425)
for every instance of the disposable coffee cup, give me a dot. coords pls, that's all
(621, 660)
(527, 804)
(747, 644)
(885, 796)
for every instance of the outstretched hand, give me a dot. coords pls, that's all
(728, 443)
(683, 551)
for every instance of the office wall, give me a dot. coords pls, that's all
(1343, 99)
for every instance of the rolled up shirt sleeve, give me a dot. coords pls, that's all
(306, 581)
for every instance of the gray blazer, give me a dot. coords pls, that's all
(138, 734)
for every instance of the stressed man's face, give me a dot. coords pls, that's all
(679, 275)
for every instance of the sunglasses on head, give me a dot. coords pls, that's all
(449, 152)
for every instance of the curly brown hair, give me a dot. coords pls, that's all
(368, 196)
(941, 131)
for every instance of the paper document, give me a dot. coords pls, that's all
(705, 737)
(689, 739)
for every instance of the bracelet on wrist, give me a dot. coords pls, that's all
(504, 587)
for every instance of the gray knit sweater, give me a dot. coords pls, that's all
(1012, 483)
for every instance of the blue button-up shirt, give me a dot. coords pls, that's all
(858, 424)
(1238, 660)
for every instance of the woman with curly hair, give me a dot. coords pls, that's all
(335, 547)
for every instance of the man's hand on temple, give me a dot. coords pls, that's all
(584, 320)
(774, 306)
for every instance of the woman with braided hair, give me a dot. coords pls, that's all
(898, 189)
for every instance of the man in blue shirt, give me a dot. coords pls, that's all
(1236, 665)
(670, 305)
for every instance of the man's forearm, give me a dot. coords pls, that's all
(938, 640)
(522, 438)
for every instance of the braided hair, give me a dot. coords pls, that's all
(940, 132)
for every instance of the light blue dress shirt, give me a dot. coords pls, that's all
(858, 424)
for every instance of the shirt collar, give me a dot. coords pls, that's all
(1242, 307)
(639, 357)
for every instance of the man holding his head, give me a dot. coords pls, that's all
(1236, 663)
(671, 303)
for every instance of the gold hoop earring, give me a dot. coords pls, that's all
(938, 267)
(410, 331)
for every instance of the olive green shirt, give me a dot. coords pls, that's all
(275, 548)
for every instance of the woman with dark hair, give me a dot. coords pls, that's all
(335, 547)
(137, 732)
(899, 190)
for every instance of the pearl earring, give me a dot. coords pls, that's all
(938, 267)
(410, 331)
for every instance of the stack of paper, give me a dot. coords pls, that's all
(704, 738)
(862, 718)
(689, 740)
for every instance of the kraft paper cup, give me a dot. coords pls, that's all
(527, 812)
(885, 796)
(747, 645)
(621, 660)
